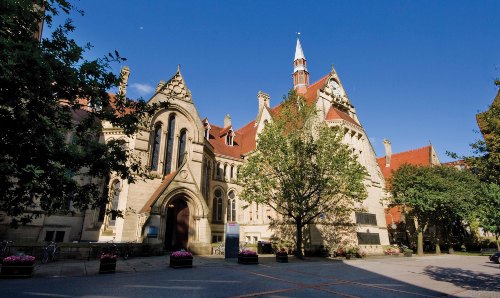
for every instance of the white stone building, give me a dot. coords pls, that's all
(195, 165)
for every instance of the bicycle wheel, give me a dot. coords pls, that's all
(57, 254)
(45, 256)
(125, 255)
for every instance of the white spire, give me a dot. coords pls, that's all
(299, 54)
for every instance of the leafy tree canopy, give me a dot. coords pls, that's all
(53, 102)
(434, 194)
(301, 169)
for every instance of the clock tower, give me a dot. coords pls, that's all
(300, 73)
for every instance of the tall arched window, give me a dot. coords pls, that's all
(231, 173)
(231, 207)
(114, 202)
(155, 154)
(181, 148)
(169, 144)
(217, 206)
(225, 172)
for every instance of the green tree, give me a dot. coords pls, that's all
(301, 169)
(433, 196)
(52, 106)
(489, 214)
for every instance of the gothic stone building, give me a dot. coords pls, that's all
(195, 163)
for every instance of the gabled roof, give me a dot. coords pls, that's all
(418, 157)
(164, 184)
(336, 114)
(245, 139)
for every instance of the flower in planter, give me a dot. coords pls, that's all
(108, 257)
(19, 260)
(181, 254)
(246, 252)
(282, 252)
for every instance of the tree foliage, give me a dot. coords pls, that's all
(434, 196)
(52, 106)
(301, 169)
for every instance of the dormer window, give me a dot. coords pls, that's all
(230, 137)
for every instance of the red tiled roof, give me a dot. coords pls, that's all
(418, 157)
(218, 141)
(166, 181)
(335, 113)
(244, 140)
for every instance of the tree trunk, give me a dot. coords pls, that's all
(420, 242)
(436, 240)
(298, 241)
(420, 237)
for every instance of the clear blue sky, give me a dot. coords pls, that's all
(416, 71)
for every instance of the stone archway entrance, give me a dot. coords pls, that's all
(177, 229)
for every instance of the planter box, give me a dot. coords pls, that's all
(348, 256)
(14, 270)
(181, 262)
(248, 260)
(107, 267)
(282, 259)
(408, 254)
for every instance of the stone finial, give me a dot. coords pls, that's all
(160, 86)
(388, 153)
(124, 74)
(264, 100)
(227, 121)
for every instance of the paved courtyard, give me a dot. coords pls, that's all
(430, 276)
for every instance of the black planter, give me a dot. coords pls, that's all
(348, 256)
(248, 260)
(107, 266)
(282, 259)
(186, 262)
(408, 254)
(17, 270)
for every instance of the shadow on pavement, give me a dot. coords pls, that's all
(466, 279)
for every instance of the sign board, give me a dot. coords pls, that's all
(232, 240)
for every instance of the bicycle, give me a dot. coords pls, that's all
(50, 252)
(5, 248)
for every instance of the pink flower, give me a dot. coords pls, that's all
(246, 252)
(108, 257)
(181, 254)
(25, 259)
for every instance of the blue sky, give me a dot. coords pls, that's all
(416, 71)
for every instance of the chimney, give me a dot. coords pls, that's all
(124, 73)
(388, 153)
(227, 121)
(263, 100)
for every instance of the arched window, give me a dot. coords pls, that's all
(182, 148)
(115, 192)
(225, 172)
(217, 206)
(155, 154)
(169, 144)
(231, 173)
(231, 207)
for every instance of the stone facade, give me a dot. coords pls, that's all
(194, 162)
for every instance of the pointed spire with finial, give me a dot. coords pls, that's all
(300, 73)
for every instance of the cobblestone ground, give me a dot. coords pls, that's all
(430, 276)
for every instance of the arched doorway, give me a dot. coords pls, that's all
(177, 230)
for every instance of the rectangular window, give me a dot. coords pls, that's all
(217, 238)
(49, 236)
(366, 219)
(369, 238)
(59, 236)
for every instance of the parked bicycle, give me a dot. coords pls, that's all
(125, 251)
(5, 249)
(50, 252)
